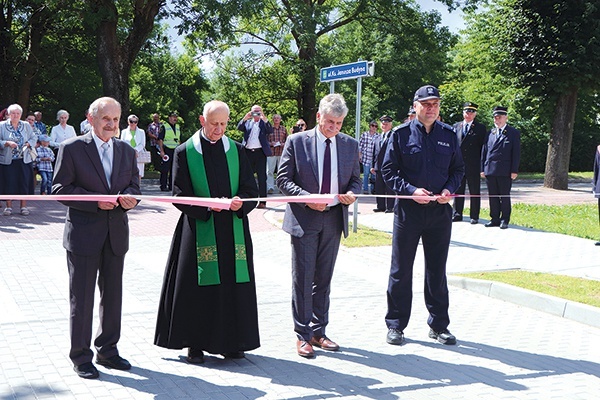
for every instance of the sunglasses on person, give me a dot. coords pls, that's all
(133, 121)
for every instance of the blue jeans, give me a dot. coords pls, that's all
(46, 186)
(366, 175)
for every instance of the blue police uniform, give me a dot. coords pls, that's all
(415, 159)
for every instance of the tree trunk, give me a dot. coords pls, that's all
(308, 81)
(37, 29)
(561, 137)
(115, 59)
(6, 51)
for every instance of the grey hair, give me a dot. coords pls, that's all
(334, 105)
(214, 105)
(14, 107)
(95, 106)
(60, 113)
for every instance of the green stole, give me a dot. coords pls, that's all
(206, 241)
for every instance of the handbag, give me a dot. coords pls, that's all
(143, 156)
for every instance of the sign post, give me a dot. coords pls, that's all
(357, 71)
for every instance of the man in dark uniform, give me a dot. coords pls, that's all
(384, 204)
(422, 160)
(471, 135)
(500, 159)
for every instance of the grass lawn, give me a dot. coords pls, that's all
(580, 220)
(575, 289)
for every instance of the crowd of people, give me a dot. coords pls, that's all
(208, 301)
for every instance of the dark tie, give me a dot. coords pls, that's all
(466, 130)
(326, 182)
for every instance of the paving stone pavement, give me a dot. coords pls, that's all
(504, 350)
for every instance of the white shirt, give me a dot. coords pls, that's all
(334, 165)
(110, 151)
(253, 142)
(58, 134)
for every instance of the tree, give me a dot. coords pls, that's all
(553, 49)
(118, 44)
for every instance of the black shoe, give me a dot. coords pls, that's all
(474, 221)
(503, 225)
(491, 224)
(234, 354)
(389, 211)
(195, 356)
(597, 244)
(443, 336)
(114, 362)
(86, 371)
(457, 218)
(378, 210)
(395, 336)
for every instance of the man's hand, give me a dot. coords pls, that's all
(236, 203)
(444, 197)
(513, 175)
(107, 205)
(482, 174)
(423, 196)
(317, 206)
(347, 198)
(127, 202)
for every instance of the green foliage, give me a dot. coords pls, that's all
(163, 82)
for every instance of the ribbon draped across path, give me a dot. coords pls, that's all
(223, 204)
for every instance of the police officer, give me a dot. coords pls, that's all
(384, 204)
(423, 160)
(500, 159)
(471, 135)
(168, 138)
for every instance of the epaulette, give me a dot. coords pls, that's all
(446, 126)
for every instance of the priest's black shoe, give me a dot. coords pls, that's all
(234, 354)
(491, 224)
(378, 210)
(503, 225)
(474, 221)
(395, 336)
(86, 371)
(195, 356)
(114, 362)
(443, 336)
(457, 218)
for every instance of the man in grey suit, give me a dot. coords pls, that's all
(96, 234)
(320, 160)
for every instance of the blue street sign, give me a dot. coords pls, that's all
(347, 71)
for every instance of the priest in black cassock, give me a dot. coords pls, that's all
(208, 299)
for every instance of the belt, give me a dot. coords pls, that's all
(255, 149)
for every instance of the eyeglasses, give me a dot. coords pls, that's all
(301, 125)
(132, 121)
(374, 125)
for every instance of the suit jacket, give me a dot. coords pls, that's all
(265, 130)
(298, 175)
(501, 157)
(7, 152)
(471, 145)
(79, 171)
(379, 151)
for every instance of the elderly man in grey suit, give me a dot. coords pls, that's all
(96, 234)
(320, 160)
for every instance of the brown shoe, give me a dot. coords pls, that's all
(325, 343)
(304, 349)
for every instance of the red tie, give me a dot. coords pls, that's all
(326, 182)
